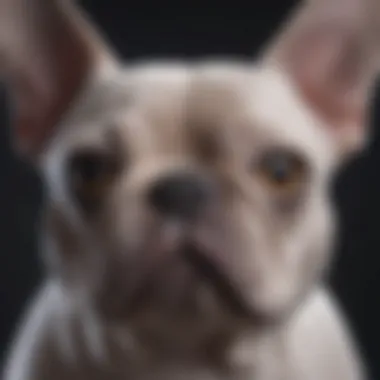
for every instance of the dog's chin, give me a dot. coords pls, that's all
(186, 290)
(188, 284)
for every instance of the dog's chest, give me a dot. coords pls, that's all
(270, 373)
(267, 369)
(261, 359)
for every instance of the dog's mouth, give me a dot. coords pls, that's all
(211, 273)
(200, 263)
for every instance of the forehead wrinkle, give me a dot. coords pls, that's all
(216, 94)
(133, 134)
(157, 115)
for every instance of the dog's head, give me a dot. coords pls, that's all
(189, 198)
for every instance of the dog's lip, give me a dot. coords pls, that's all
(211, 272)
(202, 255)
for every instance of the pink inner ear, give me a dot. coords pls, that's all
(49, 55)
(41, 100)
(327, 66)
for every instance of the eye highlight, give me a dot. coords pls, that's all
(90, 173)
(282, 170)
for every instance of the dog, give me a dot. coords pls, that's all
(188, 226)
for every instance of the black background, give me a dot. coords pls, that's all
(142, 30)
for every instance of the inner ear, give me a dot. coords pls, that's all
(49, 51)
(327, 51)
(327, 67)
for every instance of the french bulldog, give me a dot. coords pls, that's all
(188, 226)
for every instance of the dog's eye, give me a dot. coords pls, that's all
(282, 170)
(91, 172)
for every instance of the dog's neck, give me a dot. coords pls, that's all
(145, 355)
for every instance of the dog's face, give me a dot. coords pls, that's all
(187, 200)
(195, 198)
(192, 196)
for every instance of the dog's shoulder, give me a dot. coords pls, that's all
(319, 341)
(35, 337)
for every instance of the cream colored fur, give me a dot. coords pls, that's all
(155, 116)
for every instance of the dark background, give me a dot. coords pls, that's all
(145, 31)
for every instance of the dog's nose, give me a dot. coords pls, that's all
(180, 195)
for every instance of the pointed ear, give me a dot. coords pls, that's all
(47, 52)
(328, 49)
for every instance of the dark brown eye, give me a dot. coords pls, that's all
(90, 173)
(282, 170)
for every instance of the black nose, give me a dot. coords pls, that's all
(180, 195)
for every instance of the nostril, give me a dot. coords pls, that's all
(179, 195)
